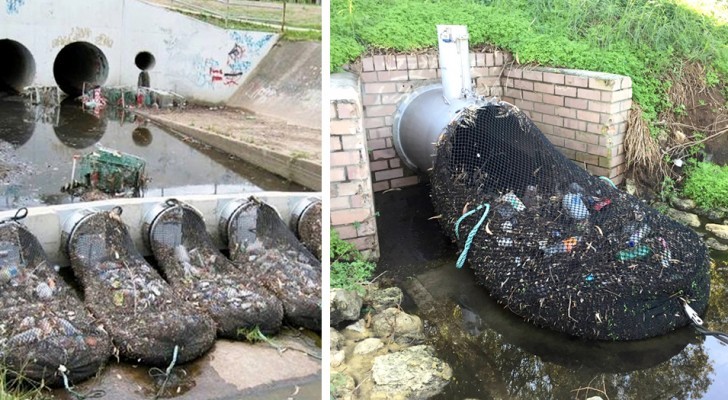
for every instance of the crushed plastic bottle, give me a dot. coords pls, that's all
(514, 201)
(635, 253)
(599, 205)
(507, 227)
(638, 235)
(505, 242)
(8, 273)
(565, 246)
(574, 206)
(530, 197)
(665, 254)
(505, 210)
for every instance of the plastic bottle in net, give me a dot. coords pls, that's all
(43, 325)
(573, 254)
(262, 245)
(205, 278)
(140, 311)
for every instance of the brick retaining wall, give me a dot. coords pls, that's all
(583, 113)
(352, 201)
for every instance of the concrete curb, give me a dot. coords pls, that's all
(303, 172)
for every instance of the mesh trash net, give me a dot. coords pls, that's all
(262, 245)
(309, 229)
(556, 245)
(139, 310)
(43, 325)
(206, 279)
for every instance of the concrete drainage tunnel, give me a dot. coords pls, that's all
(18, 67)
(521, 212)
(80, 64)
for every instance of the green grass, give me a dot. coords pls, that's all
(16, 391)
(349, 269)
(707, 184)
(290, 35)
(643, 39)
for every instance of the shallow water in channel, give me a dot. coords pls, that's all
(496, 355)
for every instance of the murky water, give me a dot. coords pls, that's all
(46, 141)
(496, 355)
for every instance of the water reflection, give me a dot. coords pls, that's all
(78, 129)
(18, 123)
(142, 136)
(47, 139)
(508, 358)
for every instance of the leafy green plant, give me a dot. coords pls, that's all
(643, 39)
(667, 189)
(707, 184)
(349, 269)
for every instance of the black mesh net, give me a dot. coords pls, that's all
(309, 229)
(144, 317)
(558, 246)
(206, 279)
(43, 325)
(263, 246)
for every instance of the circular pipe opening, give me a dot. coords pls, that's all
(18, 67)
(145, 60)
(79, 63)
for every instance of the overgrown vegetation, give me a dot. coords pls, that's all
(707, 184)
(291, 35)
(349, 269)
(638, 38)
(675, 51)
(18, 388)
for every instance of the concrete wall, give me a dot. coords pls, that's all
(192, 58)
(286, 85)
(352, 199)
(584, 114)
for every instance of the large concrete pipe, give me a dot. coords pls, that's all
(423, 115)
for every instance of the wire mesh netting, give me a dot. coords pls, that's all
(556, 245)
(139, 310)
(262, 245)
(309, 229)
(43, 325)
(206, 279)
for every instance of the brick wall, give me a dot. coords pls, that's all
(583, 113)
(352, 201)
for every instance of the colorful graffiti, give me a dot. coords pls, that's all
(13, 6)
(247, 48)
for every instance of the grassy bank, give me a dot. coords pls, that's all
(644, 39)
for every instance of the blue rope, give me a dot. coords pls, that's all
(604, 178)
(471, 235)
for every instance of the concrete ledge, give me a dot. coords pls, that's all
(46, 223)
(303, 172)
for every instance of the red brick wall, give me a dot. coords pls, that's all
(352, 202)
(583, 113)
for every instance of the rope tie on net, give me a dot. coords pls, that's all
(94, 394)
(167, 373)
(20, 214)
(469, 241)
(698, 324)
(609, 181)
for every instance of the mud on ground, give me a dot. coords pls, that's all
(295, 141)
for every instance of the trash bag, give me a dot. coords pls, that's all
(559, 247)
(144, 317)
(263, 247)
(206, 279)
(43, 325)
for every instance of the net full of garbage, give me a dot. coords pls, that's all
(263, 246)
(43, 325)
(205, 278)
(143, 315)
(555, 245)
(306, 222)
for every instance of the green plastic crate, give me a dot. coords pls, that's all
(112, 171)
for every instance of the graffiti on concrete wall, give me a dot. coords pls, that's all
(13, 6)
(76, 34)
(82, 34)
(246, 49)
